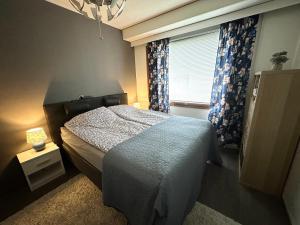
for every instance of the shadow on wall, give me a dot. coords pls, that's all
(14, 123)
(49, 54)
(66, 90)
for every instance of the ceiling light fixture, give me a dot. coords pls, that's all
(114, 9)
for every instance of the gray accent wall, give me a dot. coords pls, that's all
(49, 54)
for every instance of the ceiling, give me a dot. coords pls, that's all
(143, 21)
(135, 11)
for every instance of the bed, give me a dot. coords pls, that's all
(148, 165)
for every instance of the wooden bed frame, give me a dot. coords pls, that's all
(57, 114)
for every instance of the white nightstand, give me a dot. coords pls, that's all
(41, 167)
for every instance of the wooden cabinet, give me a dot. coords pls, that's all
(271, 130)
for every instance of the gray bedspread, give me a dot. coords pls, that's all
(155, 177)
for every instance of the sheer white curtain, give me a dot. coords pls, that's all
(191, 71)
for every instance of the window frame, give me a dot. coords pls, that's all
(190, 104)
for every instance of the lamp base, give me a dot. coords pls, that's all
(39, 147)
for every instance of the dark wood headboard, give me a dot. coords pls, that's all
(57, 113)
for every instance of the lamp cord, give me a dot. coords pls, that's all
(99, 21)
(98, 13)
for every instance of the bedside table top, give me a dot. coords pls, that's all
(32, 154)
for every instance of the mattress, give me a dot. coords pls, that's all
(87, 151)
(92, 134)
(103, 129)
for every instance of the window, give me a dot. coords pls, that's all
(192, 65)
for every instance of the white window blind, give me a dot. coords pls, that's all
(192, 64)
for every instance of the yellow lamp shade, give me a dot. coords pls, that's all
(36, 137)
(137, 105)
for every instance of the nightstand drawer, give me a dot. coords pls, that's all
(41, 162)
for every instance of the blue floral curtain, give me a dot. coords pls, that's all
(231, 76)
(158, 75)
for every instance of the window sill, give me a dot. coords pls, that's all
(196, 105)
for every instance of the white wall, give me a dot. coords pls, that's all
(198, 15)
(280, 30)
(189, 112)
(141, 75)
(291, 194)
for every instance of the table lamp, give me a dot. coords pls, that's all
(137, 105)
(37, 138)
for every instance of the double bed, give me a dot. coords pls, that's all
(149, 165)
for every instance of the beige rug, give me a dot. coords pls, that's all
(78, 202)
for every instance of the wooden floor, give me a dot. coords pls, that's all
(222, 192)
